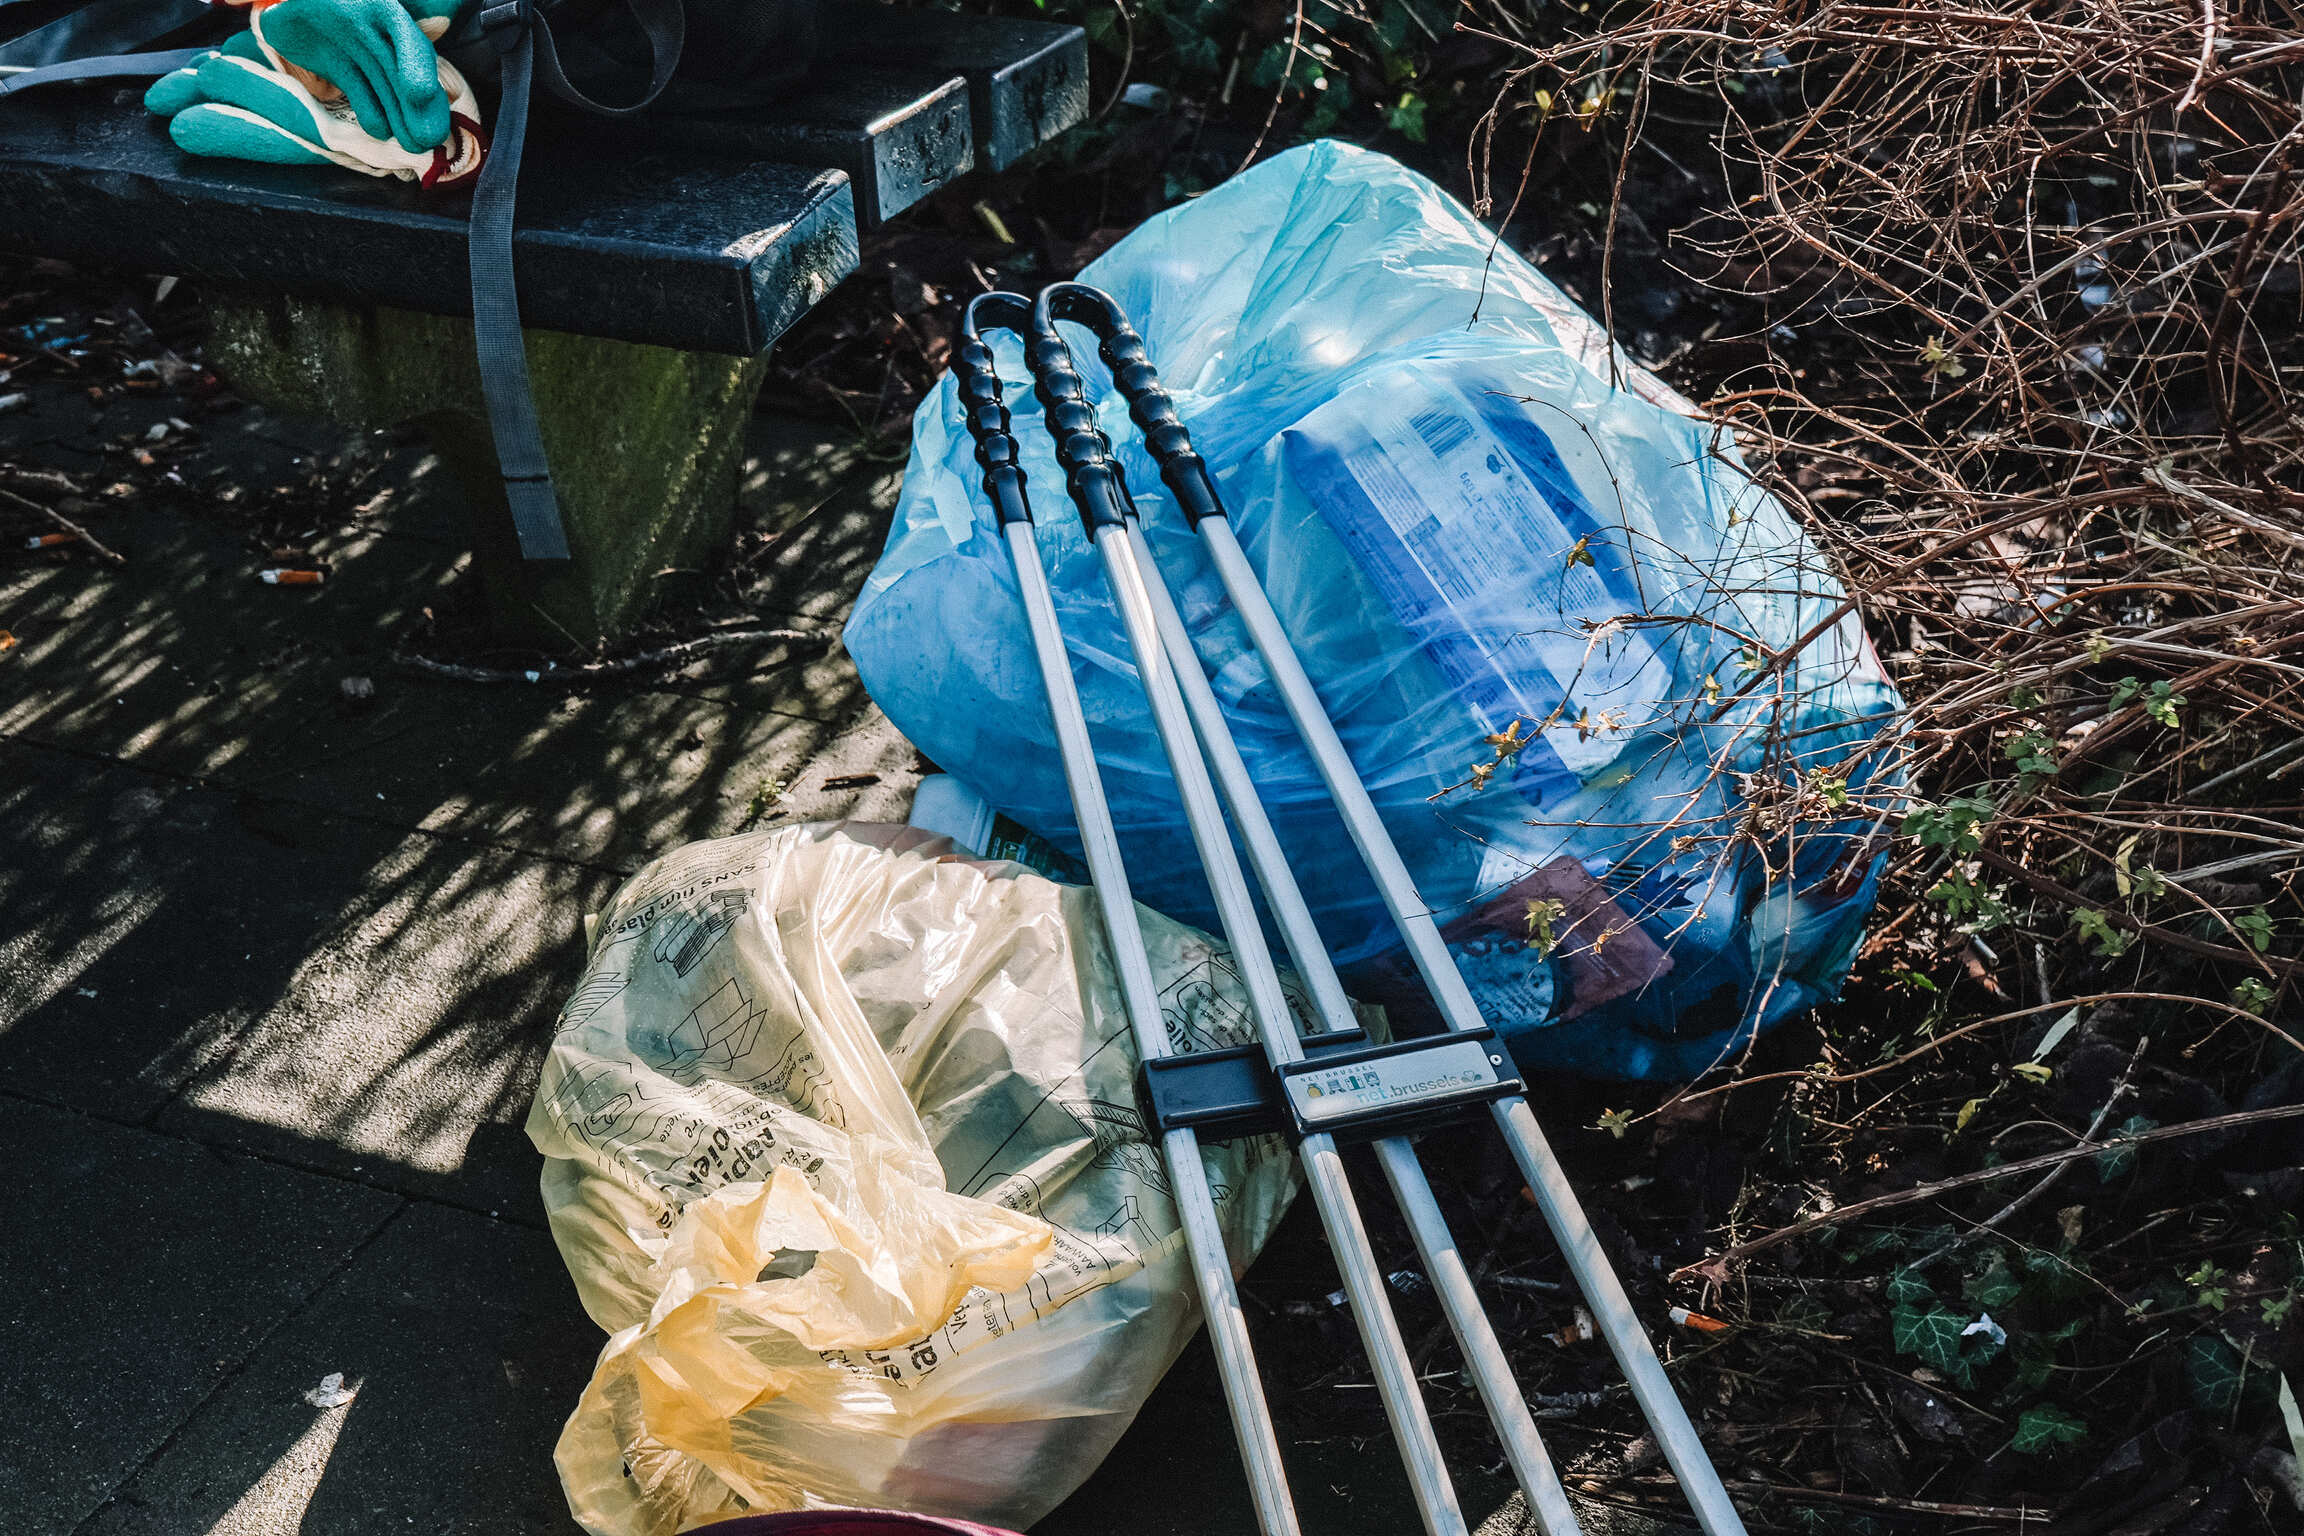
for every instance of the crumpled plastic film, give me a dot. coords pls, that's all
(842, 1148)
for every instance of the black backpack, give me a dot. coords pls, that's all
(612, 58)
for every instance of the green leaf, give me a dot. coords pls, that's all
(2044, 1426)
(1909, 1285)
(1406, 118)
(1995, 1287)
(2113, 1162)
(1957, 824)
(2215, 1372)
(2252, 994)
(2032, 753)
(1969, 901)
(2051, 1277)
(2095, 927)
(1936, 362)
(2035, 1361)
(1937, 1336)
(2256, 927)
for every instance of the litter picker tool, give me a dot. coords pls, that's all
(1331, 1083)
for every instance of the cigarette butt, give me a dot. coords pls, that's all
(284, 578)
(1576, 1332)
(1698, 1321)
(50, 540)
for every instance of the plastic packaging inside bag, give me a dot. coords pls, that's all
(1472, 528)
(842, 1148)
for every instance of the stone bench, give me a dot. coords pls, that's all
(658, 262)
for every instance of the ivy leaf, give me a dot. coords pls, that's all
(2215, 1372)
(1934, 1334)
(1996, 1287)
(2112, 1162)
(1909, 1285)
(2044, 1426)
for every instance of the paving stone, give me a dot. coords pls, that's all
(182, 662)
(338, 993)
(139, 1272)
(465, 1345)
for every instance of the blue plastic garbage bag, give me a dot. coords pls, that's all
(1464, 521)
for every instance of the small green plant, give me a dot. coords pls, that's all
(2208, 1285)
(2135, 879)
(765, 796)
(2033, 754)
(1542, 915)
(2160, 701)
(1957, 825)
(2256, 927)
(2097, 929)
(1969, 901)
(1938, 363)
(2251, 993)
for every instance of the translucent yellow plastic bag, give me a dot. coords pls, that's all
(842, 1147)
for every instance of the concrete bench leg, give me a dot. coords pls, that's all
(645, 442)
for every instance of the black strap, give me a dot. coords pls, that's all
(663, 22)
(108, 66)
(525, 38)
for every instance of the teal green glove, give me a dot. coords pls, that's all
(234, 104)
(376, 53)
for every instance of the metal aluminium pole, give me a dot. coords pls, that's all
(1195, 1205)
(1098, 490)
(1476, 1337)
(1187, 478)
(1612, 1309)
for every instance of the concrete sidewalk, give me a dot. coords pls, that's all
(276, 974)
(278, 967)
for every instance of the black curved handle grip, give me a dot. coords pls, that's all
(1091, 473)
(1150, 405)
(989, 424)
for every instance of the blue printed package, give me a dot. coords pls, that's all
(1474, 523)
